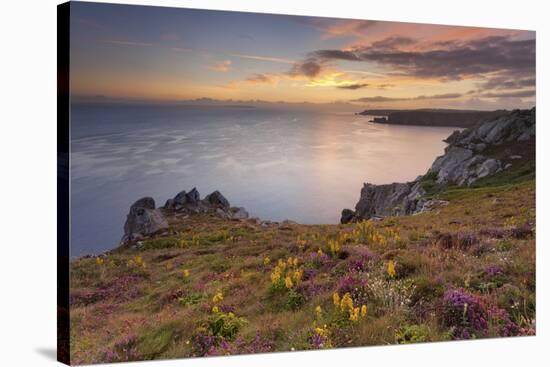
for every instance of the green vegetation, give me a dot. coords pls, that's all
(215, 287)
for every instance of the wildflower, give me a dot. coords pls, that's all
(186, 273)
(215, 309)
(336, 299)
(295, 262)
(139, 261)
(298, 276)
(323, 332)
(169, 265)
(217, 297)
(334, 246)
(363, 311)
(99, 261)
(391, 268)
(288, 282)
(276, 275)
(318, 311)
(267, 260)
(281, 264)
(320, 252)
(346, 302)
(354, 314)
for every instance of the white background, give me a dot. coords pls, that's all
(28, 182)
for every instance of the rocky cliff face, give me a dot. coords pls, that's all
(472, 154)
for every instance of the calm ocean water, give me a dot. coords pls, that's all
(303, 166)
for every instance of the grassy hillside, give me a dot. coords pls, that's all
(214, 287)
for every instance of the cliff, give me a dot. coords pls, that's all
(502, 146)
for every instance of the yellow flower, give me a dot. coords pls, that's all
(295, 262)
(288, 282)
(320, 252)
(391, 268)
(215, 309)
(281, 264)
(318, 311)
(99, 261)
(336, 299)
(354, 314)
(346, 302)
(217, 297)
(363, 311)
(267, 260)
(186, 273)
(138, 260)
(276, 275)
(323, 332)
(169, 265)
(298, 276)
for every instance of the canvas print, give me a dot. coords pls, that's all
(236, 183)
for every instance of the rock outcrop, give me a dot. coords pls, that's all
(143, 219)
(472, 154)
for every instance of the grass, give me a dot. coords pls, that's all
(206, 288)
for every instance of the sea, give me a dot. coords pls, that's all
(296, 164)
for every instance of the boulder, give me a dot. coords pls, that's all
(216, 199)
(348, 216)
(143, 220)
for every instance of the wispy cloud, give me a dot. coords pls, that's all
(403, 99)
(126, 43)
(222, 66)
(264, 58)
(353, 86)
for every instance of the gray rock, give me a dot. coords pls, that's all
(379, 201)
(143, 220)
(489, 167)
(239, 213)
(347, 216)
(216, 199)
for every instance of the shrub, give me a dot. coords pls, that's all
(224, 325)
(412, 334)
(408, 263)
(353, 284)
(294, 300)
(426, 289)
(122, 351)
(465, 313)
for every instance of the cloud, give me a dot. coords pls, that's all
(126, 43)
(517, 94)
(222, 66)
(262, 78)
(353, 86)
(180, 49)
(403, 99)
(392, 42)
(265, 58)
(507, 81)
(455, 62)
(309, 68)
(332, 28)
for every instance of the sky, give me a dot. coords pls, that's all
(175, 54)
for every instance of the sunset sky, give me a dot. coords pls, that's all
(158, 53)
